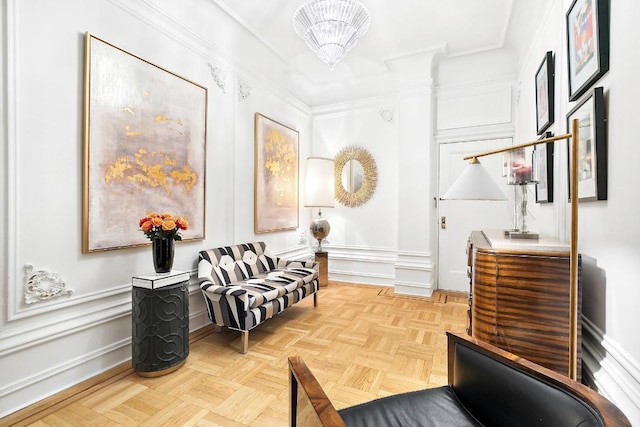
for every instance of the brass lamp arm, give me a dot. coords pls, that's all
(526, 144)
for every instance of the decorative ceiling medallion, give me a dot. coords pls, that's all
(356, 176)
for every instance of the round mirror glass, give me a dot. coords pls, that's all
(352, 176)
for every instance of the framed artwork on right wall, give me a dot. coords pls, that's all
(592, 146)
(543, 155)
(588, 44)
(545, 93)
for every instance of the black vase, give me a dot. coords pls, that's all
(162, 251)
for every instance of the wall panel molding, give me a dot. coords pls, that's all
(361, 278)
(476, 133)
(52, 306)
(457, 109)
(361, 253)
(117, 303)
(414, 273)
(359, 264)
(52, 371)
(610, 370)
(409, 272)
(38, 333)
(413, 288)
(414, 260)
(12, 159)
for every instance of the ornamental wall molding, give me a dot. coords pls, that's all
(43, 285)
(219, 76)
(244, 90)
(387, 115)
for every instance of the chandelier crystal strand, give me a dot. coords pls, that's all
(331, 28)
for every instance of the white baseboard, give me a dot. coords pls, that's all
(611, 371)
(417, 289)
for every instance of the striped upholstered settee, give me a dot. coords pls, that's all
(244, 285)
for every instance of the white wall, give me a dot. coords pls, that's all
(608, 231)
(50, 345)
(363, 240)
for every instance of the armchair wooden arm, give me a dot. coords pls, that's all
(310, 406)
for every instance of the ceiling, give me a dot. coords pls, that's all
(402, 32)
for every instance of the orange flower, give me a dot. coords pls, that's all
(182, 223)
(157, 221)
(168, 225)
(147, 225)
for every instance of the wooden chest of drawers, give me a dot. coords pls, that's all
(519, 298)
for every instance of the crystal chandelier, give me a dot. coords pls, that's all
(331, 27)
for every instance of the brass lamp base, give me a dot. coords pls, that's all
(522, 235)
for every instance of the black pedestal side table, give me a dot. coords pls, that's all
(160, 323)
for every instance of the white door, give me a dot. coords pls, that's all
(464, 216)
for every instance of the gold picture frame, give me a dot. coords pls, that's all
(356, 176)
(145, 131)
(276, 197)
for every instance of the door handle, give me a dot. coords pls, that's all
(443, 222)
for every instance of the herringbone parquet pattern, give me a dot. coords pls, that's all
(361, 342)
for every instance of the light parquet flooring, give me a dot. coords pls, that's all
(361, 342)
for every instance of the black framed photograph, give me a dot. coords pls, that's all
(543, 161)
(588, 44)
(545, 77)
(592, 146)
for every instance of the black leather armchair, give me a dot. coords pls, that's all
(487, 387)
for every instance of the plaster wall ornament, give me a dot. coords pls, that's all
(387, 115)
(43, 285)
(219, 76)
(244, 90)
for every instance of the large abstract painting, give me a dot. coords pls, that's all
(144, 147)
(276, 176)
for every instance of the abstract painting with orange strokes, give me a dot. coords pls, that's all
(145, 146)
(276, 176)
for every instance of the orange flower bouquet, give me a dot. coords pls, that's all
(162, 226)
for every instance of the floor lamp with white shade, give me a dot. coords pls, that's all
(320, 193)
(475, 183)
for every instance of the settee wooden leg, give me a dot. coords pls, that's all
(244, 342)
(315, 299)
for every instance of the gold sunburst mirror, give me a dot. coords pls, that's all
(356, 176)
